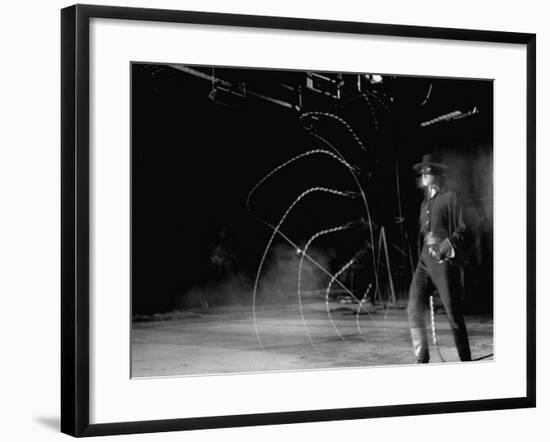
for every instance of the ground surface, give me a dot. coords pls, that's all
(223, 340)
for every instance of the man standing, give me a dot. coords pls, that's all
(443, 235)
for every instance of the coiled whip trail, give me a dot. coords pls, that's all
(287, 163)
(337, 157)
(333, 278)
(337, 118)
(377, 98)
(348, 127)
(371, 108)
(276, 230)
(365, 204)
(360, 306)
(302, 253)
(327, 297)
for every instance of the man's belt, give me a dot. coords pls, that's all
(431, 239)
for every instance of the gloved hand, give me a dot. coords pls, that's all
(447, 249)
(441, 252)
(436, 254)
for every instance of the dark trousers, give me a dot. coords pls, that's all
(446, 279)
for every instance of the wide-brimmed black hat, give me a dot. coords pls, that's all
(431, 163)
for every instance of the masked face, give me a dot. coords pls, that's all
(427, 179)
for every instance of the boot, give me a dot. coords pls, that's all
(420, 345)
(462, 345)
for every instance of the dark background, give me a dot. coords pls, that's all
(196, 156)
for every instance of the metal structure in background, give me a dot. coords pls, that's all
(291, 96)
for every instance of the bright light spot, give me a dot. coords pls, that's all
(376, 78)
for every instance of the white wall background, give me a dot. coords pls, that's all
(30, 207)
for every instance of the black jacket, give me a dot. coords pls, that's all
(442, 215)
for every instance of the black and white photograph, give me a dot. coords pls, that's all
(286, 220)
(274, 221)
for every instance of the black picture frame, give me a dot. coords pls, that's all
(75, 212)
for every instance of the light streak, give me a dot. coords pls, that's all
(340, 120)
(434, 334)
(365, 205)
(371, 108)
(275, 232)
(276, 229)
(327, 298)
(384, 105)
(287, 163)
(454, 115)
(427, 95)
(301, 307)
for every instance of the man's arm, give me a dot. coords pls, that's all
(457, 228)
(458, 231)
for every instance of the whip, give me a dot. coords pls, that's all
(434, 334)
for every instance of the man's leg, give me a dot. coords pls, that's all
(446, 278)
(420, 288)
